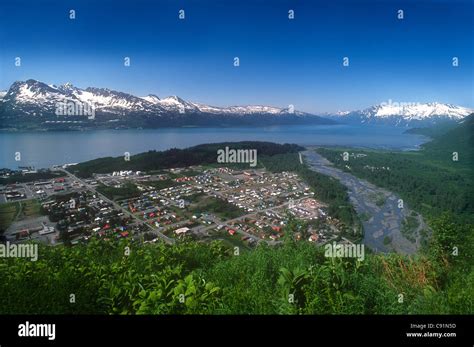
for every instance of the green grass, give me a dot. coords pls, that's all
(215, 281)
(195, 198)
(219, 207)
(18, 210)
(387, 240)
(129, 190)
(31, 208)
(233, 241)
(8, 213)
(409, 225)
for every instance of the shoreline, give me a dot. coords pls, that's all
(41, 149)
(307, 147)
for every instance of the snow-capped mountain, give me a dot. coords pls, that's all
(174, 104)
(151, 98)
(334, 114)
(255, 109)
(406, 114)
(32, 98)
(37, 102)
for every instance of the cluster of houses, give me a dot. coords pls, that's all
(307, 209)
(263, 191)
(126, 173)
(85, 214)
(265, 199)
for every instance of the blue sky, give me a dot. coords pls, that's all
(282, 61)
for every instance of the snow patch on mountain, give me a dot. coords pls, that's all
(248, 110)
(151, 98)
(418, 111)
(175, 103)
(405, 114)
(36, 95)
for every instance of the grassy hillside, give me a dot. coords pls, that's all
(435, 130)
(460, 140)
(195, 278)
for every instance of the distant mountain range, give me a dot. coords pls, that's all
(404, 114)
(33, 104)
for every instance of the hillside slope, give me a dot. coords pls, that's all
(429, 179)
(460, 139)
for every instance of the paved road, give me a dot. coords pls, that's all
(384, 220)
(118, 207)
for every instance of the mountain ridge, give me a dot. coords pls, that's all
(35, 103)
(404, 114)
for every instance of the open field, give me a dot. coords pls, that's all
(19, 210)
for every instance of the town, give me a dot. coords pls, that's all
(239, 207)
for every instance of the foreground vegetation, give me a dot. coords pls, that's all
(190, 278)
